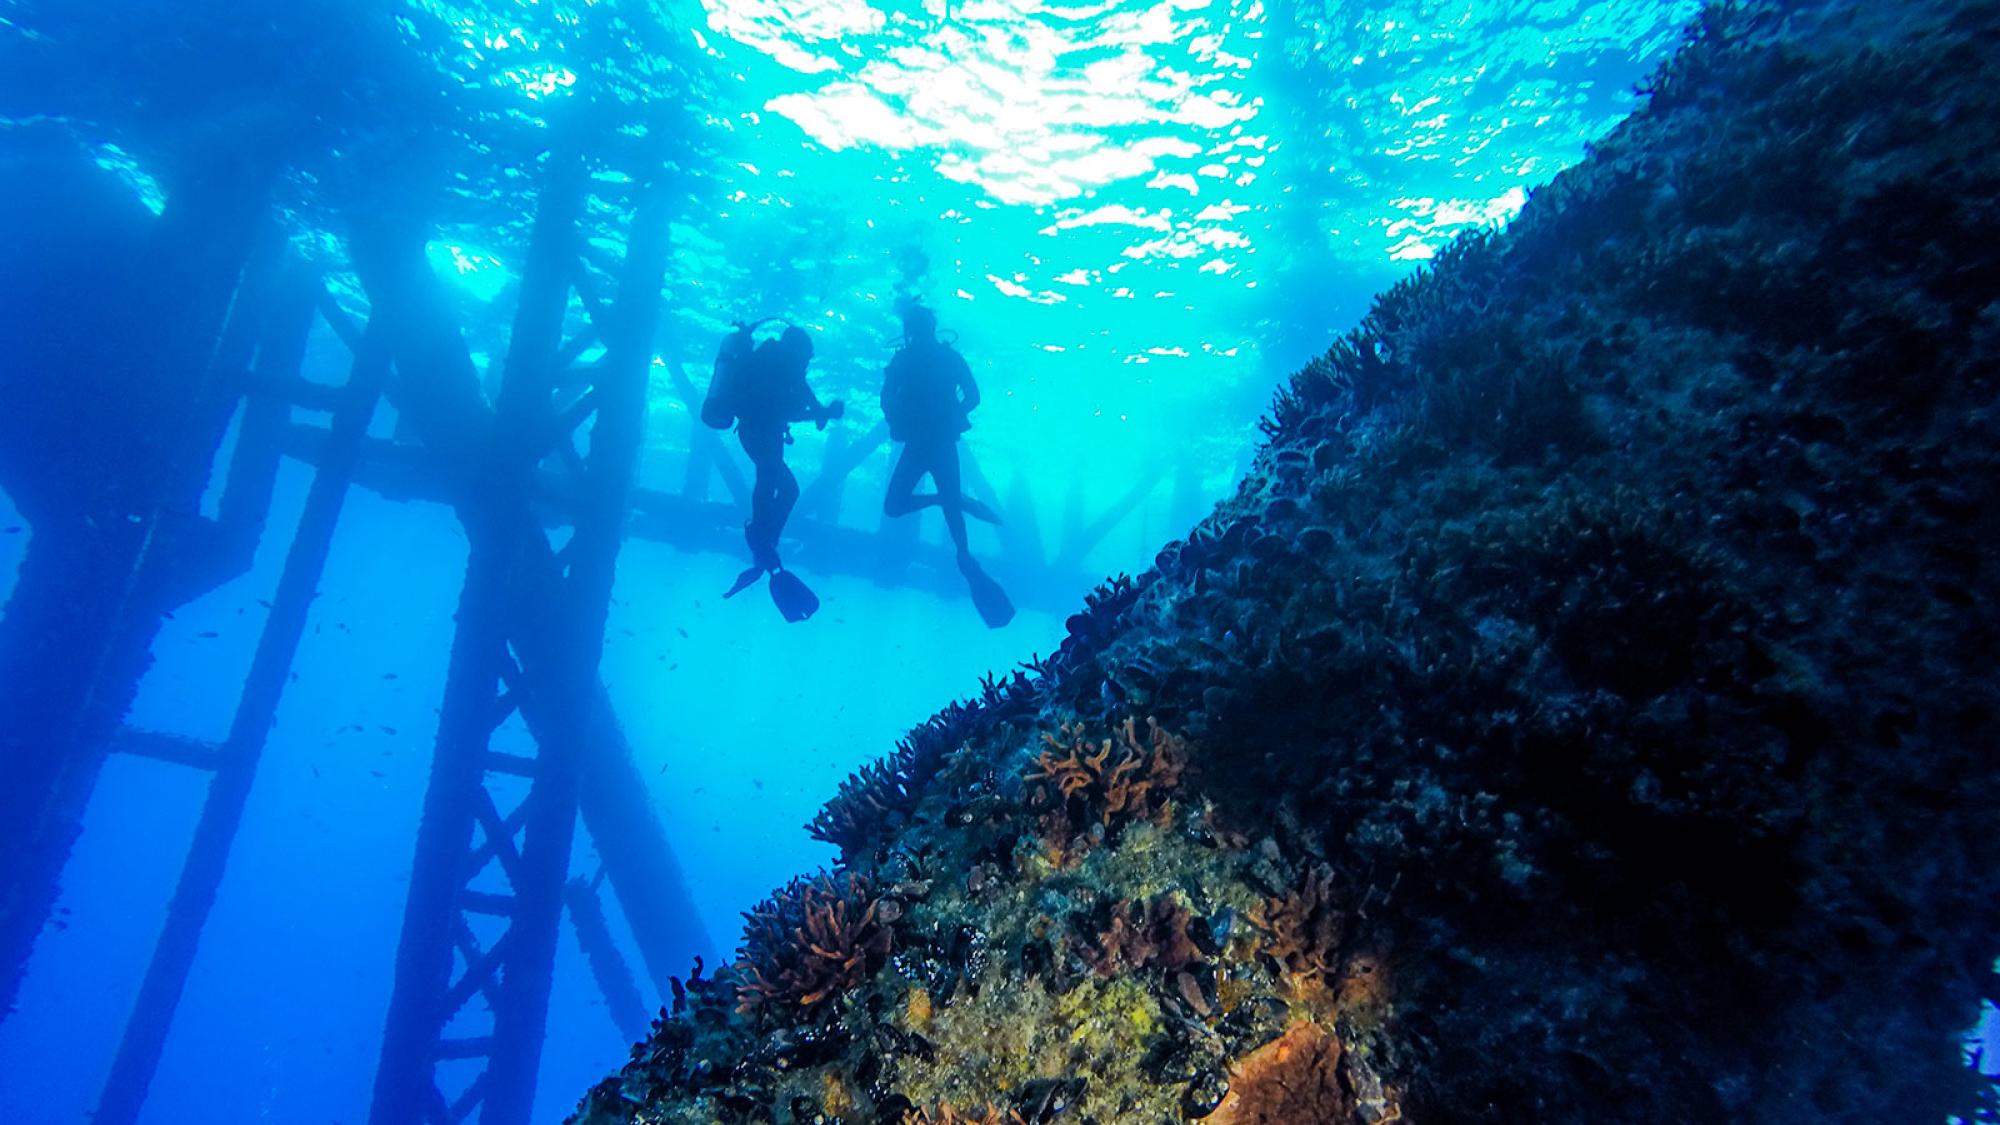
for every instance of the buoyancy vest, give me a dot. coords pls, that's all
(920, 393)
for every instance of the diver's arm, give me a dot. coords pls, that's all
(812, 409)
(822, 413)
(892, 389)
(968, 391)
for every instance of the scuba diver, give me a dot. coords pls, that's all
(762, 390)
(927, 395)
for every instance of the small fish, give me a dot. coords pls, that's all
(262, 602)
(388, 675)
(386, 730)
(14, 529)
(682, 632)
(377, 773)
(315, 770)
(208, 635)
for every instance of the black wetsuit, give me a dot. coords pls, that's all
(774, 395)
(926, 395)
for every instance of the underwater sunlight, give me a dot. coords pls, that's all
(996, 561)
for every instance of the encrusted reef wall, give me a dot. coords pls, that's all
(1585, 712)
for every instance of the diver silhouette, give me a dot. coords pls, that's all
(763, 390)
(928, 394)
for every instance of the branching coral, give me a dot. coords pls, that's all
(1140, 936)
(878, 798)
(881, 798)
(810, 941)
(1109, 783)
(871, 798)
(1305, 929)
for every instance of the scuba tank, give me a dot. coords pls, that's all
(732, 363)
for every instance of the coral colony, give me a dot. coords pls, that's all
(1577, 711)
(1580, 713)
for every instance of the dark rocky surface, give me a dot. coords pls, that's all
(1585, 711)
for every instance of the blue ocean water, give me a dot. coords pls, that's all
(1133, 218)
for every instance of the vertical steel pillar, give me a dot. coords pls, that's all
(529, 636)
(425, 999)
(236, 765)
(78, 629)
(554, 611)
(607, 965)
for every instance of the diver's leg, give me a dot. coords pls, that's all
(901, 498)
(757, 482)
(943, 462)
(910, 468)
(767, 456)
(978, 509)
(784, 496)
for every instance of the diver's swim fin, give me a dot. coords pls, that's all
(744, 581)
(987, 596)
(792, 597)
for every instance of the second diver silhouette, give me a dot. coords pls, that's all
(762, 389)
(927, 395)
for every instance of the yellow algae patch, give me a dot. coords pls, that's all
(917, 1010)
(833, 1096)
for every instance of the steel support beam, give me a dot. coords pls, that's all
(426, 998)
(401, 471)
(438, 389)
(607, 965)
(132, 387)
(160, 990)
(520, 600)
